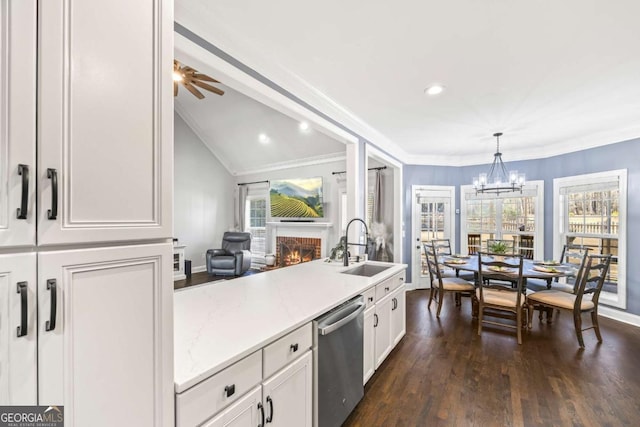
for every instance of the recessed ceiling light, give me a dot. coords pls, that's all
(263, 138)
(435, 89)
(303, 126)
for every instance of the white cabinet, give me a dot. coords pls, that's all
(284, 400)
(246, 412)
(18, 363)
(17, 122)
(287, 395)
(104, 136)
(398, 315)
(102, 346)
(384, 322)
(178, 262)
(105, 327)
(369, 363)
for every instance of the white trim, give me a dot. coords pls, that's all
(198, 269)
(398, 210)
(309, 161)
(620, 316)
(616, 300)
(444, 191)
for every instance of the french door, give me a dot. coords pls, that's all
(433, 218)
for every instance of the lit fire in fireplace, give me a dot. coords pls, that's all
(294, 251)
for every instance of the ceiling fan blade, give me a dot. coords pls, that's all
(205, 78)
(207, 87)
(193, 90)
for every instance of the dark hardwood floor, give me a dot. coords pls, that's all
(204, 277)
(443, 374)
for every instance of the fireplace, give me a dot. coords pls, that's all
(294, 250)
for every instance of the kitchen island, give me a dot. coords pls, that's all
(220, 324)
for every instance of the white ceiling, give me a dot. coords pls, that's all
(554, 76)
(230, 126)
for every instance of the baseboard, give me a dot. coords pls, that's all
(409, 286)
(620, 316)
(198, 269)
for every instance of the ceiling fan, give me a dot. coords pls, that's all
(190, 78)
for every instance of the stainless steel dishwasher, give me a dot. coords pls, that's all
(338, 362)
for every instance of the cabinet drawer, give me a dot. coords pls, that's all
(286, 349)
(369, 296)
(389, 285)
(209, 397)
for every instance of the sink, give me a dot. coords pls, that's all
(367, 270)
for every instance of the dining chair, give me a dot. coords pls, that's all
(442, 247)
(439, 284)
(473, 243)
(500, 298)
(585, 300)
(526, 246)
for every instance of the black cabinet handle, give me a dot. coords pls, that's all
(375, 320)
(22, 290)
(22, 210)
(370, 299)
(51, 323)
(394, 304)
(386, 289)
(230, 390)
(294, 347)
(52, 174)
(270, 402)
(261, 409)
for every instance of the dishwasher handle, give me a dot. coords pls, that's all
(345, 315)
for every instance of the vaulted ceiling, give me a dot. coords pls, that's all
(554, 76)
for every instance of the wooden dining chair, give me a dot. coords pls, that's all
(496, 295)
(585, 300)
(441, 284)
(526, 246)
(442, 248)
(473, 243)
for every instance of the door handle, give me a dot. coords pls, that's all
(22, 290)
(261, 409)
(50, 325)
(395, 304)
(270, 402)
(52, 174)
(21, 213)
(375, 320)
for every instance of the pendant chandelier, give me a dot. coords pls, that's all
(498, 180)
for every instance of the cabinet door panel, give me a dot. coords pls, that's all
(18, 365)
(398, 316)
(243, 413)
(289, 393)
(17, 120)
(108, 135)
(112, 344)
(383, 329)
(368, 366)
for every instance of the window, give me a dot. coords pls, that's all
(255, 223)
(509, 216)
(592, 212)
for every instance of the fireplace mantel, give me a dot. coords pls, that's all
(301, 224)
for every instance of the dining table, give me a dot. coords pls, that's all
(531, 269)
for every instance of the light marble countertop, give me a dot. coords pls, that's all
(219, 323)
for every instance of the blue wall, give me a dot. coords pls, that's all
(623, 155)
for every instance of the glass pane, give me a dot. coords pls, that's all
(432, 226)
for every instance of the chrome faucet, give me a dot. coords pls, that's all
(346, 240)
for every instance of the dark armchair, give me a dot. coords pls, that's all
(235, 256)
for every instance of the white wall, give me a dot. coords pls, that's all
(203, 195)
(331, 190)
